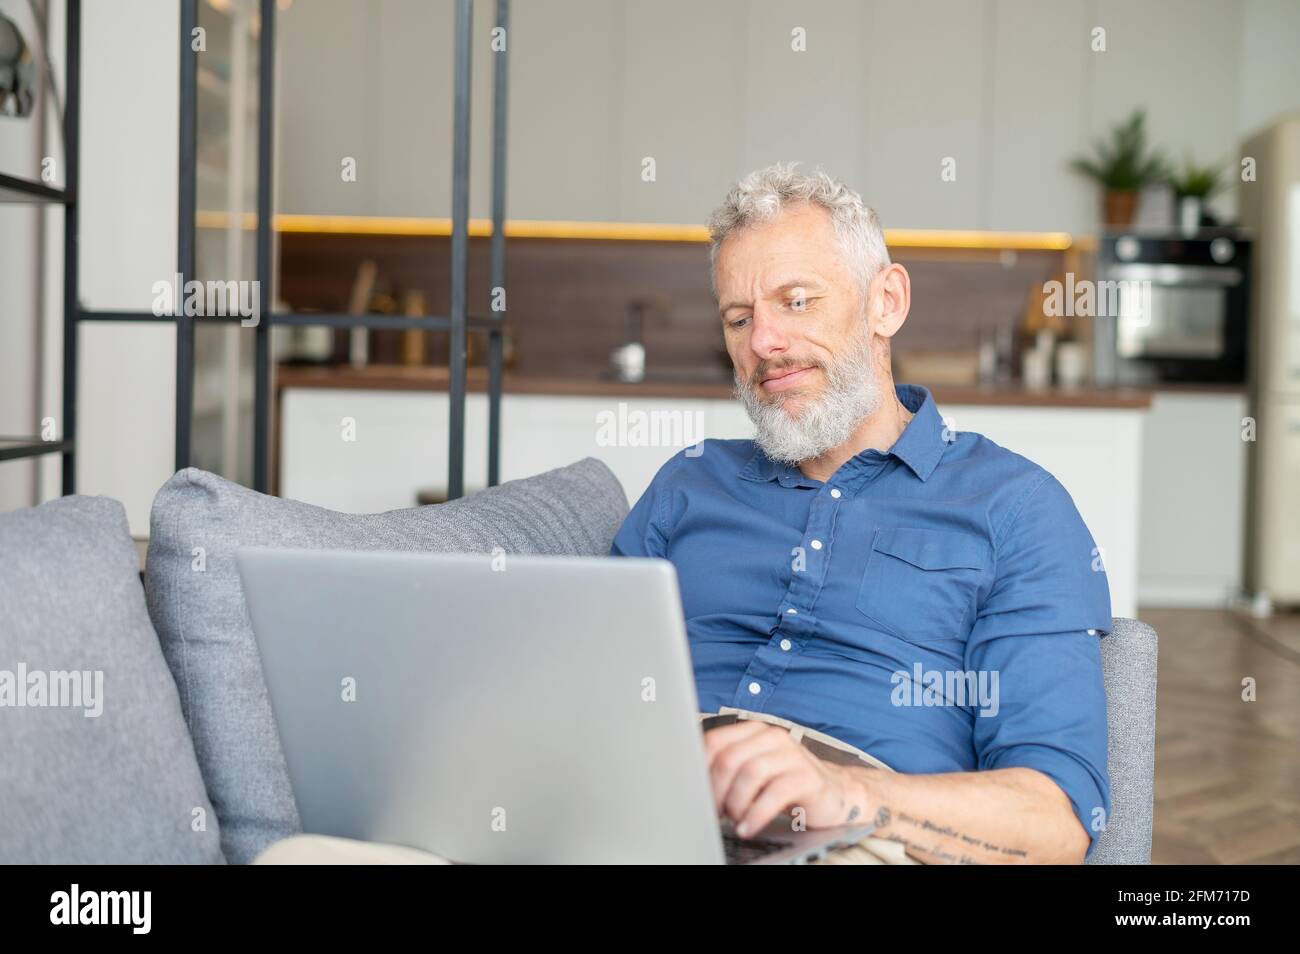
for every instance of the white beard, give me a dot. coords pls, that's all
(851, 396)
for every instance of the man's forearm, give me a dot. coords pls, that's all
(1002, 816)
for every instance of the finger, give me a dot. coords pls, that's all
(718, 741)
(781, 793)
(752, 778)
(755, 772)
(725, 735)
(727, 762)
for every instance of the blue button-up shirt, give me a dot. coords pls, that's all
(938, 605)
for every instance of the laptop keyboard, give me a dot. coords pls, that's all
(744, 851)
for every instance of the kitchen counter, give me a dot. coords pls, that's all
(675, 383)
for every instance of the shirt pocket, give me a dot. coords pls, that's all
(923, 585)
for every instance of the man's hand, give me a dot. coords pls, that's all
(759, 771)
(998, 816)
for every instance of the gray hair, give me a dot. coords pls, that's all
(765, 193)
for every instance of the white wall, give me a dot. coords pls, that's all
(21, 148)
(129, 57)
(130, 60)
(1270, 69)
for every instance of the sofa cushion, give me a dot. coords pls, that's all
(196, 600)
(96, 765)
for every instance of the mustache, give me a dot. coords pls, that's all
(767, 367)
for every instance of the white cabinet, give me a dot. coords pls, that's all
(680, 88)
(1096, 455)
(883, 92)
(1193, 500)
(924, 100)
(400, 447)
(1040, 75)
(400, 441)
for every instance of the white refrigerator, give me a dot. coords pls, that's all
(1270, 206)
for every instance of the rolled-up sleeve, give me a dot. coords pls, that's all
(642, 532)
(1038, 633)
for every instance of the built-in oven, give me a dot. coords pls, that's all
(1171, 307)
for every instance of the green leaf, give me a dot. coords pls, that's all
(1123, 161)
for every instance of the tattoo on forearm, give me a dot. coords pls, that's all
(925, 825)
(926, 852)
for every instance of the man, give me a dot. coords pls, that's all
(859, 570)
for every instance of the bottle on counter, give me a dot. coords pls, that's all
(1036, 361)
(385, 344)
(1071, 365)
(363, 287)
(306, 344)
(997, 346)
(415, 341)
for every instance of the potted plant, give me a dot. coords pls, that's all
(1194, 186)
(1122, 165)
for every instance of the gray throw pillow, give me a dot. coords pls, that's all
(197, 603)
(96, 765)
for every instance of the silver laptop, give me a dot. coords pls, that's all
(508, 709)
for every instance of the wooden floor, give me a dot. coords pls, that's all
(1227, 787)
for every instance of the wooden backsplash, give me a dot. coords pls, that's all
(568, 298)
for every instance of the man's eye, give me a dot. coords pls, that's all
(739, 322)
(799, 304)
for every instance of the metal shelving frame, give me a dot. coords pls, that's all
(458, 321)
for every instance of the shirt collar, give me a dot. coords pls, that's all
(922, 442)
(920, 446)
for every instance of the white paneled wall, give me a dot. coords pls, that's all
(810, 106)
(1040, 105)
(926, 99)
(883, 93)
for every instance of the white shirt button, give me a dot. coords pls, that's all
(1092, 632)
(792, 611)
(835, 492)
(785, 645)
(816, 544)
(755, 688)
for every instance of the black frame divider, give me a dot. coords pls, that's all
(71, 239)
(461, 85)
(186, 206)
(458, 321)
(497, 249)
(262, 341)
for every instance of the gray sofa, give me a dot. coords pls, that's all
(182, 762)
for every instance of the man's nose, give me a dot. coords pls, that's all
(768, 339)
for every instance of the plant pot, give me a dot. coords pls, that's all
(1190, 208)
(1118, 207)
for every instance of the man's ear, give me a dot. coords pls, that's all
(893, 286)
